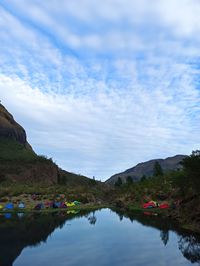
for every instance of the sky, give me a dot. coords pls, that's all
(100, 86)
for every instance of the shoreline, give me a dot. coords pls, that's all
(50, 210)
(167, 213)
(153, 212)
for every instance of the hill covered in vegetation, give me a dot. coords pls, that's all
(19, 164)
(180, 189)
(146, 169)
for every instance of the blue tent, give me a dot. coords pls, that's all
(9, 206)
(8, 215)
(21, 205)
(56, 205)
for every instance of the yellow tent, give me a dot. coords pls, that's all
(69, 204)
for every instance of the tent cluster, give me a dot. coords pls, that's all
(41, 205)
(56, 205)
(10, 206)
(155, 204)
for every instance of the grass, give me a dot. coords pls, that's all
(12, 151)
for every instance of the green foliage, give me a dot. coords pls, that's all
(12, 151)
(93, 182)
(62, 180)
(143, 178)
(180, 181)
(129, 180)
(191, 166)
(157, 170)
(118, 183)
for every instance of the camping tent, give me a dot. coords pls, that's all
(21, 205)
(150, 204)
(9, 206)
(39, 206)
(63, 205)
(70, 204)
(56, 204)
(77, 202)
(164, 206)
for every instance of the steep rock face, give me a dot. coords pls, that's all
(18, 162)
(146, 168)
(9, 128)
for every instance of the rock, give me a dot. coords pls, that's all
(9, 128)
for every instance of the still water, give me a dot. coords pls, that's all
(99, 238)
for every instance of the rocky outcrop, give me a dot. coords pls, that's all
(18, 162)
(146, 168)
(9, 128)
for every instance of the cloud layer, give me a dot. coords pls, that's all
(102, 87)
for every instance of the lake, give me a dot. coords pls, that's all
(99, 238)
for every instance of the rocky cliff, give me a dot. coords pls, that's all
(18, 162)
(9, 128)
(146, 168)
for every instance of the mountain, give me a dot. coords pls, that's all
(146, 168)
(19, 163)
(10, 129)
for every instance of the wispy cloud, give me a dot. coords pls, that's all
(102, 87)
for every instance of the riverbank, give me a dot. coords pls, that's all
(173, 215)
(89, 207)
(176, 215)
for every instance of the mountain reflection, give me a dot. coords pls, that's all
(188, 243)
(23, 230)
(20, 231)
(190, 248)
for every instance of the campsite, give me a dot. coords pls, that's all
(100, 133)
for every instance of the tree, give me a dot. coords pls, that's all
(118, 183)
(191, 165)
(157, 170)
(129, 180)
(143, 178)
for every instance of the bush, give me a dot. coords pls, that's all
(191, 166)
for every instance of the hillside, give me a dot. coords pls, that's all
(19, 163)
(146, 168)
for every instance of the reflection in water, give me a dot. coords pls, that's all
(20, 214)
(164, 235)
(28, 230)
(8, 215)
(188, 243)
(190, 248)
(20, 231)
(92, 219)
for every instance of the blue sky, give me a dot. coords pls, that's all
(103, 85)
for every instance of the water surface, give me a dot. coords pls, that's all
(103, 237)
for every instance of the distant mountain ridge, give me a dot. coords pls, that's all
(146, 168)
